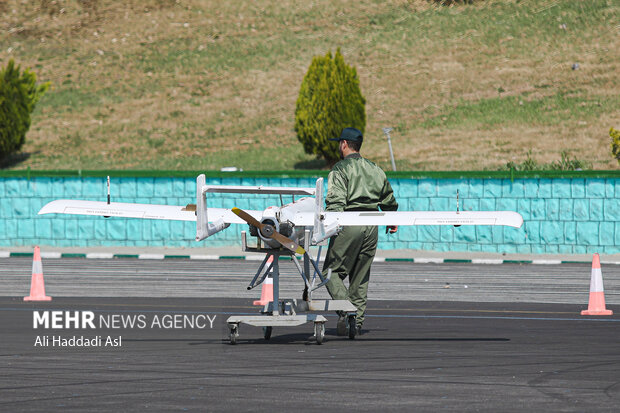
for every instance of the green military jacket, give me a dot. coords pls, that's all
(357, 184)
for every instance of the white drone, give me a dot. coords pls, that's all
(281, 230)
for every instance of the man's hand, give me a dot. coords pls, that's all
(391, 229)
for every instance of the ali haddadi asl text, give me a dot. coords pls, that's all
(78, 341)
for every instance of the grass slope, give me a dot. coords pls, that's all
(192, 84)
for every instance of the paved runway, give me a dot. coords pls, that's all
(79, 277)
(497, 345)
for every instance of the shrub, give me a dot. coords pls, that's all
(564, 164)
(615, 143)
(529, 164)
(567, 164)
(18, 96)
(329, 100)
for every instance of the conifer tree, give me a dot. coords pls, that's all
(19, 94)
(329, 100)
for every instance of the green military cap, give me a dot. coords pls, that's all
(349, 134)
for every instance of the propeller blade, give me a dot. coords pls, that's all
(247, 217)
(285, 241)
(288, 243)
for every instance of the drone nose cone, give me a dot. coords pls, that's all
(267, 231)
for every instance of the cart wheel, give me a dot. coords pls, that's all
(234, 333)
(352, 326)
(267, 332)
(319, 332)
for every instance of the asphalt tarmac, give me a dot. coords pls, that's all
(131, 277)
(415, 355)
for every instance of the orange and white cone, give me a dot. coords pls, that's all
(596, 305)
(266, 294)
(37, 285)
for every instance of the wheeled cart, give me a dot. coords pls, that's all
(286, 312)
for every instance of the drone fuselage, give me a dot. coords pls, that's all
(281, 218)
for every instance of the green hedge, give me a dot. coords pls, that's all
(27, 173)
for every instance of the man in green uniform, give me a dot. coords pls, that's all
(354, 184)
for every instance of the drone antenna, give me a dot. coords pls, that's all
(108, 216)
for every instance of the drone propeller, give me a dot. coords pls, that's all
(268, 231)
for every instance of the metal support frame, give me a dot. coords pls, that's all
(276, 253)
(284, 313)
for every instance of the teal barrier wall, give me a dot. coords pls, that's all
(567, 213)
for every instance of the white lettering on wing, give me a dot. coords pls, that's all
(448, 221)
(96, 212)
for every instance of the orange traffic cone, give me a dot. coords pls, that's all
(596, 305)
(37, 285)
(266, 294)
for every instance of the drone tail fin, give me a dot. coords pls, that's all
(203, 228)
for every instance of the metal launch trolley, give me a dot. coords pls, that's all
(288, 312)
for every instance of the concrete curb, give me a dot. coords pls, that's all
(254, 257)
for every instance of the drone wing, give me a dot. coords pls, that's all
(144, 211)
(508, 218)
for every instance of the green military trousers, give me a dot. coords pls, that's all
(350, 254)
